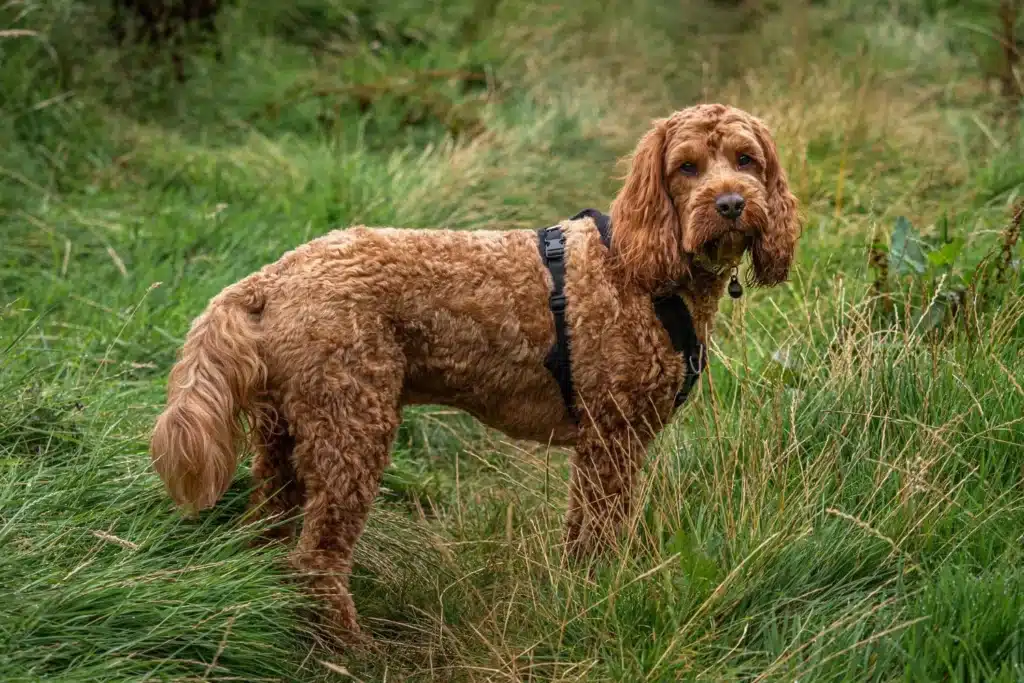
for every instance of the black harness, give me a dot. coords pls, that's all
(670, 309)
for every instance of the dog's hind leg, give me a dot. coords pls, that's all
(345, 421)
(279, 495)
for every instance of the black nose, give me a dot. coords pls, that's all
(730, 205)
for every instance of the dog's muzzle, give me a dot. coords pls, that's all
(723, 253)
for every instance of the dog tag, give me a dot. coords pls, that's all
(735, 288)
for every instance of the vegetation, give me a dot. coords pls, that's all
(843, 500)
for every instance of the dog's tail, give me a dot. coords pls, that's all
(218, 374)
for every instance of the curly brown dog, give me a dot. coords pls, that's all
(322, 349)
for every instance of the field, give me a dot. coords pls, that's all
(842, 501)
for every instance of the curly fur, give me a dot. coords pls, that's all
(322, 349)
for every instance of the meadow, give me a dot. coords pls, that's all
(842, 499)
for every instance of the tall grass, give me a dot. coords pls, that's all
(841, 501)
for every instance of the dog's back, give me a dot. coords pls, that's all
(468, 311)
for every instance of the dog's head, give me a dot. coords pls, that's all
(705, 185)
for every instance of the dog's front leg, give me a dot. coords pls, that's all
(604, 468)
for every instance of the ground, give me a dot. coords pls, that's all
(843, 500)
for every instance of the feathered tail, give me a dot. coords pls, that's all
(219, 371)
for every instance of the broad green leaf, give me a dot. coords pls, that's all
(906, 253)
(947, 254)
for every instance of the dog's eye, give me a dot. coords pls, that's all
(744, 160)
(688, 168)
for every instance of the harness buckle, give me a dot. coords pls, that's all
(557, 302)
(554, 250)
(554, 243)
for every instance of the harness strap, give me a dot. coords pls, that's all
(552, 249)
(602, 221)
(676, 319)
(670, 310)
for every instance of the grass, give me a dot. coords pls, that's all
(843, 500)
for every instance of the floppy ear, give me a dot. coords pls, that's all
(645, 226)
(773, 249)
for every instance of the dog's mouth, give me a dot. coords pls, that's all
(724, 252)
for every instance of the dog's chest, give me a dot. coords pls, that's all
(625, 362)
(667, 380)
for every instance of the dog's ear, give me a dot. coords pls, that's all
(645, 237)
(773, 249)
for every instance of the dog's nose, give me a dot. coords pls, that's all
(730, 205)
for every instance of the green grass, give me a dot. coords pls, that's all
(843, 501)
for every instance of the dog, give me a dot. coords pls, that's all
(322, 349)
